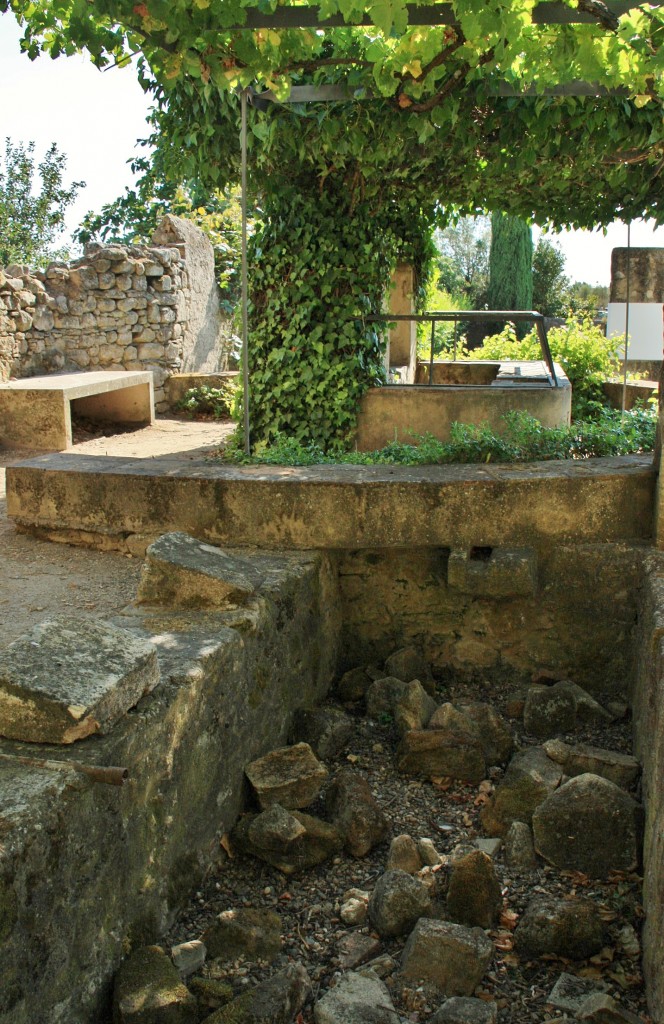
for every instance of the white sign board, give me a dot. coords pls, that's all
(646, 333)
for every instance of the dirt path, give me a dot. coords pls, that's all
(40, 579)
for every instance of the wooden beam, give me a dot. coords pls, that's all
(550, 12)
(341, 94)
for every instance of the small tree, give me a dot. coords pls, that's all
(551, 294)
(32, 215)
(510, 263)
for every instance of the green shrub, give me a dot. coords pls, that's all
(523, 439)
(207, 402)
(585, 354)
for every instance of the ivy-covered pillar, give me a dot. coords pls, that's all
(320, 264)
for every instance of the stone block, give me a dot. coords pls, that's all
(291, 776)
(493, 572)
(450, 956)
(68, 678)
(183, 572)
(148, 990)
(356, 999)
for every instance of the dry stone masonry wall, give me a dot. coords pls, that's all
(117, 308)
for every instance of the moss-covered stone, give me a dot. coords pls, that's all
(148, 990)
(8, 910)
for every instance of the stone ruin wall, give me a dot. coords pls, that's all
(138, 307)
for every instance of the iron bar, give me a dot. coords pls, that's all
(111, 775)
(474, 315)
(433, 339)
(627, 291)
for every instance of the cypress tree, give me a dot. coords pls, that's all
(510, 263)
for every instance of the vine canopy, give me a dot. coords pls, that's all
(461, 113)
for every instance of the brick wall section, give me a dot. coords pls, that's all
(117, 308)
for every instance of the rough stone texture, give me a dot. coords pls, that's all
(356, 999)
(572, 928)
(202, 318)
(648, 729)
(188, 957)
(230, 684)
(248, 932)
(353, 685)
(404, 855)
(465, 1010)
(569, 993)
(588, 825)
(494, 732)
(599, 1008)
(646, 269)
(621, 769)
(290, 776)
(450, 956)
(519, 849)
(182, 572)
(530, 778)
(549, 710)
(288, 840)
(68, 678)
(504, 573)
(474, 895)
(148, 990)
(441, 752)
(398, 900)
(275, 1001)
(409, 663)
(588, 710)
(383, 696)
(355, 812)
(117, 308)
(326, 730)
(414, 708)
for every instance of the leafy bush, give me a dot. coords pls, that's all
(207, 401)
(585, 354)
(523, 439)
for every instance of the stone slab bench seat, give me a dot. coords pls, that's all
(36, 412)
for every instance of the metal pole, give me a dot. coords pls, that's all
(245, 289)
(629, 266)
(433, 339)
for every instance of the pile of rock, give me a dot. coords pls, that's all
(439, 914)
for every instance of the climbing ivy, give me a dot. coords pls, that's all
(319, 266)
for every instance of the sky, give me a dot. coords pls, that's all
(96, 117)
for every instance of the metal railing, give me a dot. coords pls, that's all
(474, 315)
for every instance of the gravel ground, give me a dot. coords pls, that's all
(448, 813)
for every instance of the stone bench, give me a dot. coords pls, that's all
(36, 412)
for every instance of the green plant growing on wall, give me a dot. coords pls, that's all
(207, 401)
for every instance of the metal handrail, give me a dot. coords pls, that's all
(449, 315)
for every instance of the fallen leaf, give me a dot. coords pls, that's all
(225, 844)
(508, 919)
(441, 781)
(504, 942)
(605, 956)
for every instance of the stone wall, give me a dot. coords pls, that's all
(646, 275)
(88, 870)
(648, 718)
(117, 308)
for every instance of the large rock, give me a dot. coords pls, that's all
(247, 932)
(355, 812)
(474, 895)
(465, 1010)
(408, 663)
(397, 902)
(356, 999)
(383, 696)
(571, 928)
(183, 572)
(148, 990)
(518, 848)
(450, 746)
(622, 769)
(560, 708)
(414, 708)
(68, 678)
(290, 776)
(494, 732)
(588, 825)
(449, 956)
(404, 855)
(288, 840)
(530, 778)
(353, 685)
(326, 730)
(275, 1001)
